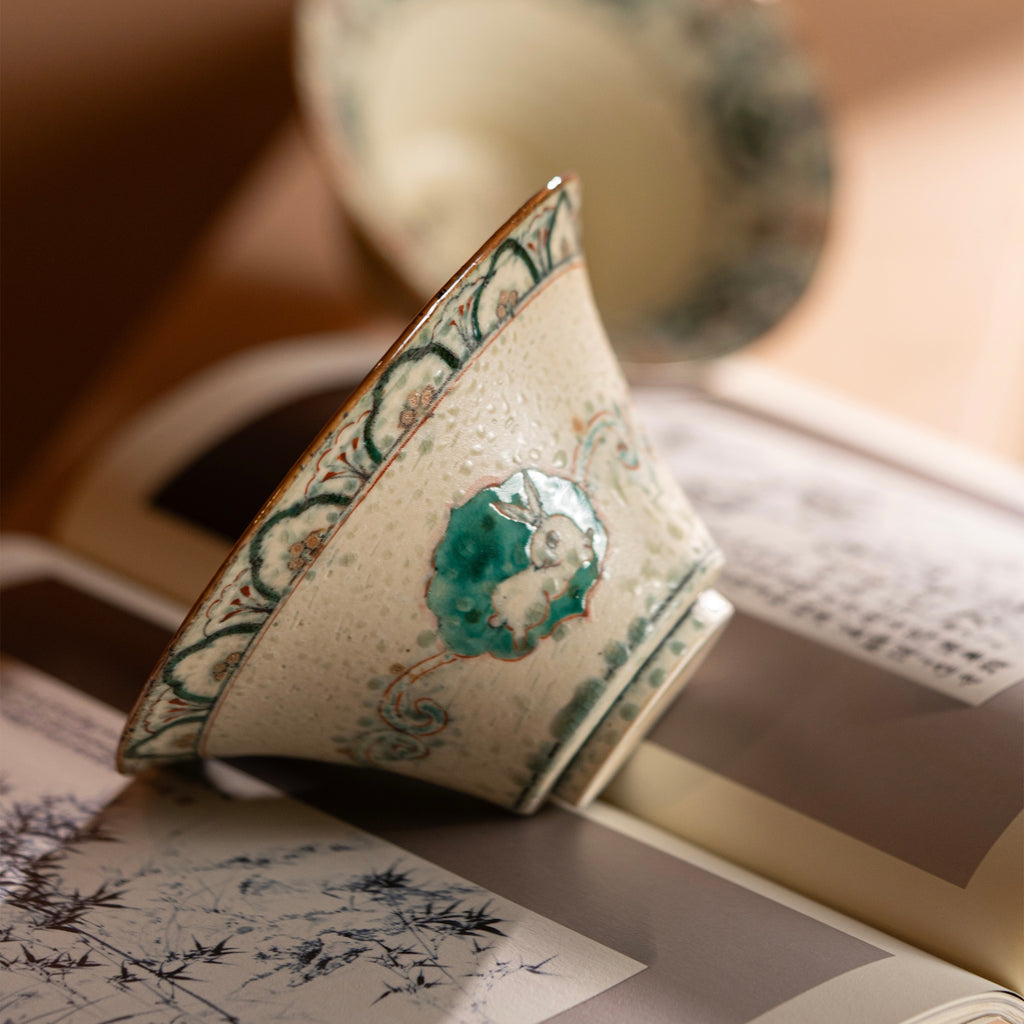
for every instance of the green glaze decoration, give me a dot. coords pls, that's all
(515, 562)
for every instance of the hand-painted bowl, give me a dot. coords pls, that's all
(695, 124)
(478, 574)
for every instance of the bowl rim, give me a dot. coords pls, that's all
(554, 186)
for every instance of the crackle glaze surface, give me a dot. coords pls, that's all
(696, 125)
(467, 569)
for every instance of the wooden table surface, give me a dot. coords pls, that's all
(917, 309)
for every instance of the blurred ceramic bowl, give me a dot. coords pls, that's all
(694, 124)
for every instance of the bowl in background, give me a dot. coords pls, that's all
(695, 124)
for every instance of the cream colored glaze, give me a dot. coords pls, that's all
(307, 679)
(473, 104)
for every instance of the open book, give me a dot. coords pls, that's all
(828, 824)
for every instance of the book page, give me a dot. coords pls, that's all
(172, 899)
(905, 573)
(865, 707)
(380, 898)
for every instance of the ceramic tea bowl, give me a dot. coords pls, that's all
(695, 124)
(478, 574)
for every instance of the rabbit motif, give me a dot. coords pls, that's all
(558, 549)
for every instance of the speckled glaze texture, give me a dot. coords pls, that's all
(468, 569)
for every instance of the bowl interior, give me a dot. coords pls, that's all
(696, 128)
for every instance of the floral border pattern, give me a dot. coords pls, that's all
(284, 542)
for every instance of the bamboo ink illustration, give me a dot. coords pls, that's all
(187, 926)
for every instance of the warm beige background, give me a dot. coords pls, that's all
(126, 127)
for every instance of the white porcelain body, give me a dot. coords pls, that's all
(468, 569)
(695, 125)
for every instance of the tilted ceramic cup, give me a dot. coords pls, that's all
(696, 124)
(479, 574)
